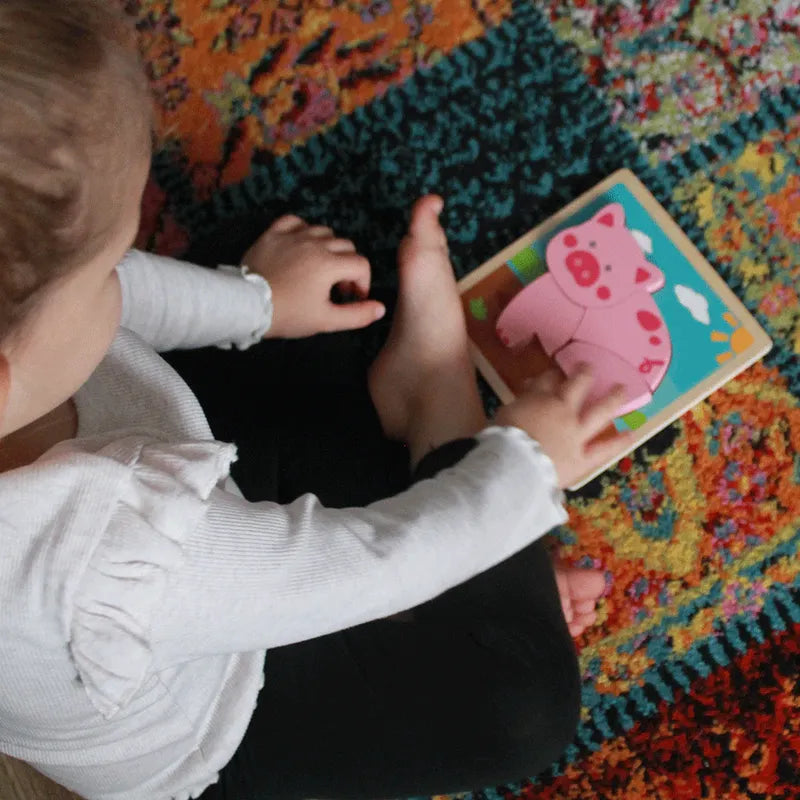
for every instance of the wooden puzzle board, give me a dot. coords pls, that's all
(731, 336)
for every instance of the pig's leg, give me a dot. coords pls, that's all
(608, 370)
(541, 309)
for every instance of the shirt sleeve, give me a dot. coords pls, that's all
(173, 304)
(260, 575)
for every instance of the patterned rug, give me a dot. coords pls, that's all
(344, 111)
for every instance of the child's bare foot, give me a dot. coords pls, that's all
(579, 590)
(422, 382)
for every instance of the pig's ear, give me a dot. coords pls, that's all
(648, 276)
(612, 216)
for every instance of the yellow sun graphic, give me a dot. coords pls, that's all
(740, 338)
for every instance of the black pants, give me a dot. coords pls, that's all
(479, 688)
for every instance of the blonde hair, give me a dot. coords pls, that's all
(75, 115)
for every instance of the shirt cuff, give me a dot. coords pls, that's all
(264, 290)
(442, 457)
(449, 454)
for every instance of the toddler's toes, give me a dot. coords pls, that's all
(584, 584)
(579, 590)
(564, 595)
(575, 629)
(424, 226)
(583, 606)
(581, 622)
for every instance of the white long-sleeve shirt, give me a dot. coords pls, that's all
(139, 591)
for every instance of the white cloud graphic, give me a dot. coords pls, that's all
(644, 241)
(695, 302)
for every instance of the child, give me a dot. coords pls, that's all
(140, 590)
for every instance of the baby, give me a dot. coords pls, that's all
(140, 590)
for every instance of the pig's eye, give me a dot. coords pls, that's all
(608, 267)
(592, 244)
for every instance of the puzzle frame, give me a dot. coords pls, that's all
(487, 292)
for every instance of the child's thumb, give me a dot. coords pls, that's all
(357, 315)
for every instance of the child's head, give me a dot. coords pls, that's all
(75, 127)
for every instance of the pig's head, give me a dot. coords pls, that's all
(599, 262)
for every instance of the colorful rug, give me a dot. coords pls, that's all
(344, 111)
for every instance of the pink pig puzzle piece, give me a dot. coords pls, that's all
(595, 305)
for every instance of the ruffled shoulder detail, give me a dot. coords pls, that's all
(161, 500)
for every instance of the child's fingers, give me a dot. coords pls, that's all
(320, 232)
(601, 413)
(545, 382)
(604, 449)
(351, 268)
(340, 246)
(576, 387)
(287, 224)
(354, 315)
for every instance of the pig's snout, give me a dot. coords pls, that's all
(584, 267)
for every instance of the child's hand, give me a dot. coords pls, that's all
(302, 264)
(553, 411)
